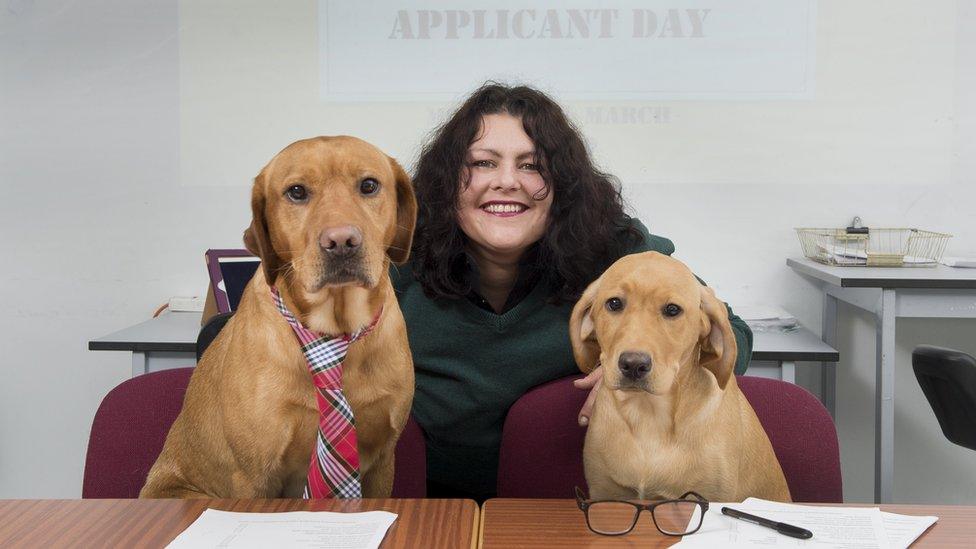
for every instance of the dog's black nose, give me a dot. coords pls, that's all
(341, 241)
(634, 365)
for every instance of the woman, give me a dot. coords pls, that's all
(514, 222)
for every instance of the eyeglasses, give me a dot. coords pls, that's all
(672, 517)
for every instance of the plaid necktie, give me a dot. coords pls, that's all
(334, 467)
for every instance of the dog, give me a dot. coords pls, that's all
(329, 215)
(668, 417)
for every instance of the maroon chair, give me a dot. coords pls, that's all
(133, 419)
(803, 436)
(542, 445)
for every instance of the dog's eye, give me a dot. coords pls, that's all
(369, 186)
(297, 193)
(671, 310)
(615, 304)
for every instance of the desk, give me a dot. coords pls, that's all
(529, 523)
(169, 341)
(788, 348)
(439, 523)
(887, 293)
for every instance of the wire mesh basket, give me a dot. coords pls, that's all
(873, 247)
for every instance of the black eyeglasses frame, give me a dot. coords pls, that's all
(584, 504)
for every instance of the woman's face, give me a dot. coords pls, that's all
(501, 210)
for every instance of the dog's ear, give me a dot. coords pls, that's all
(582, 333)
(406, 218)
(256, 237)
(717, 342)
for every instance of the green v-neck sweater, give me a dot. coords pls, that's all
(472, 365)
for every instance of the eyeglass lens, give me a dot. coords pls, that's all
(611, 518)
(675, 518)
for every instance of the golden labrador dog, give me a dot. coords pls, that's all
(668, 417)
(329, 214)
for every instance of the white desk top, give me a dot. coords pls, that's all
(169, 331)
(938, 277)
(178, 332)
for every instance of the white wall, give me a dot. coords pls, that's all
(95, 234)
(96, 231)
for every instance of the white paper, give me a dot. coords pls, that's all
(319, 529)
(766, 318)
(761, 312)
(856, 256)
(962, 262)
(903, 530)
(842, 527)
(832, 527)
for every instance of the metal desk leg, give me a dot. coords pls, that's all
(884, 400)
(828, 370)
(787, 371)
(140, 363)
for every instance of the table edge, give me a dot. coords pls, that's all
(809, 268)
(143, 346)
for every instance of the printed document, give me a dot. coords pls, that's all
(230, 530)
(832, 527)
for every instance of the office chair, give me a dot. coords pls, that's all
(134, 418)
(948, 379)
(210, 330)
(542, 445)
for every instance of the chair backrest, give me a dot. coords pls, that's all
(542, 445)
(128, 432)
(210, 330)
(133, 420)
(541, 454)
(803, 436)
(948, 379)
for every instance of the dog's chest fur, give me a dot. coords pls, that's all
(657, 457)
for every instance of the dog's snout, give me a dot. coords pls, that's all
(634, 365)
(341, 241)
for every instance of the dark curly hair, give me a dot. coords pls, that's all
(586, 218)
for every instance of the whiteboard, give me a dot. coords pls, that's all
(770, 92)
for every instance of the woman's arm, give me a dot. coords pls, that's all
(743, 341)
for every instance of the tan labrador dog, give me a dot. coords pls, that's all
(329, 214)
(669, 416)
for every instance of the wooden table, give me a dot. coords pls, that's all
(439, 523)
(528, 523)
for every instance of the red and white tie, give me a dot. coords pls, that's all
(333, 470)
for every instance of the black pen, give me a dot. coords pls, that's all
(781, 527)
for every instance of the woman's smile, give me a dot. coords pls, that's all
(499, 208)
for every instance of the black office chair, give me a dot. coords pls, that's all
(948, 379)
(209, 332)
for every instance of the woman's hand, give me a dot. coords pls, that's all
(592, 382)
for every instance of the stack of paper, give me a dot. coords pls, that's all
(966, 262)
(761, 318)
(841, 527)
(842, 255)
(293, 529)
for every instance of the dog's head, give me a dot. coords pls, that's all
(645, 319)
(330, 211)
